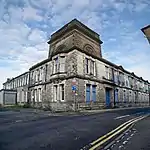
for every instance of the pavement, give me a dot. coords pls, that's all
(28, 129)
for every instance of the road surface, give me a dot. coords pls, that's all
(38, 131)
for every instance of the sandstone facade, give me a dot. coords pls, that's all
(75, 76)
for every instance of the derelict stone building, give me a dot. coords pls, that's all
(76, 76)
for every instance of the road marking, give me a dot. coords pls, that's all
(101, 138)
(132, 134)
(105, 138)
(120, 117)
(128, 138)
(124, 142)
(121, 146)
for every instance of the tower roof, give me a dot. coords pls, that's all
(75, 24)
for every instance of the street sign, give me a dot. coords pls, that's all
(74, 88)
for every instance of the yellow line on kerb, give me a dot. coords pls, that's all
(99, 139)
(124, 125)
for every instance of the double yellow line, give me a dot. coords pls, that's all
(102, 140)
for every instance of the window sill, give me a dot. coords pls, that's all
(88, 74)
(58, 101)
(108, 79)
(58, 73)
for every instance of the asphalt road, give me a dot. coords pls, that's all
(39, 131)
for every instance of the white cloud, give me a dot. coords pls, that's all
(24, 26)
(37, 36)
(30, 13)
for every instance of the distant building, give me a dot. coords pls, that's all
(20, 84)
(76, 76)
(146, 31)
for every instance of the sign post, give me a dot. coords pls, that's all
(74, 89)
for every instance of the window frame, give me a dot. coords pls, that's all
(62, 63)
(62, 92)
(55, 89)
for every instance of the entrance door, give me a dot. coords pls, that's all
(107, 97)
(87, 93)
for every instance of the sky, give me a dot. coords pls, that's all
(26, 26)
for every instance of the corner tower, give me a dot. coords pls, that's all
(75, 35)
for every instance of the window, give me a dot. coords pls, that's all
(46, 72)
(94, 93)
(87, 65)
(19, 82)
(22, 98)
(115, 76)
(92, 67)
(39, 94)
(124, 96)
(62, 63)
(38, 75)
(59, 93)
(62, 92)
(32, 77)
(55, 92)
(14, 84)
(26, 96)
(24, 80)
(56, 65)
(90, 93)
(107, 72)
(35, 95)
(111, 73)
(32, 95)
(41, 73)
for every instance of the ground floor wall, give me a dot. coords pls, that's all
(131, 98)
(78, 94)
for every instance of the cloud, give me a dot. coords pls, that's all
(37, 36)
(25, 27)
(30, 13)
